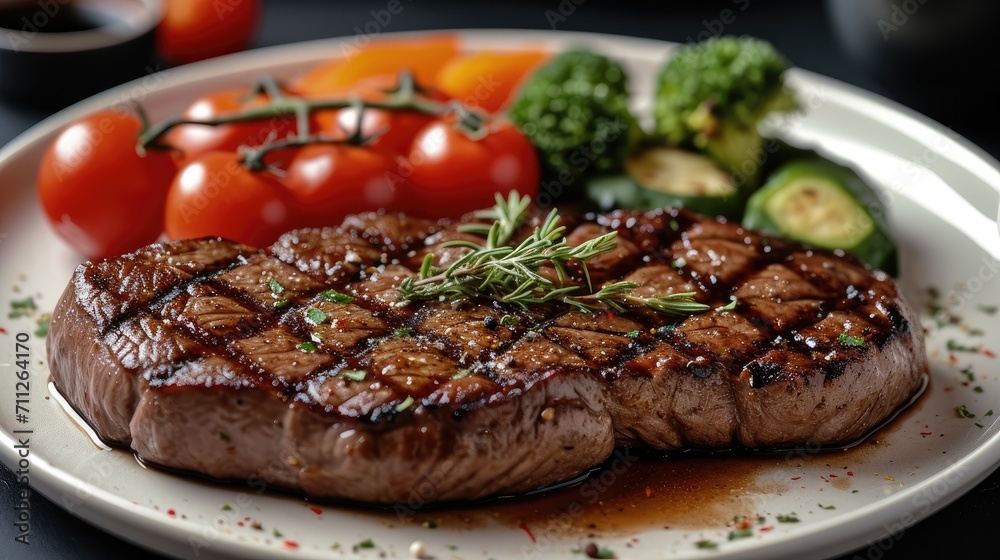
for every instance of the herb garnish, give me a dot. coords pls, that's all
(22, 308)
(740, 534)
(790, 518)
(632, 334)
(853, 341)
(826, 507)
(336, 297)
(462, 373)
(367, 543)
(407, 403)
(42, 328)
(402, 332)
(316, 316)
(307, 347)
(508, 321)
(354, 374)
(510, 274)
(954, 346)
(729, 306)
(989, 309)
(703, 544)
(280, 303)
(964, 412)
(276, 287)
(431, 524)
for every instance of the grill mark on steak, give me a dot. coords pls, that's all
(194, 321)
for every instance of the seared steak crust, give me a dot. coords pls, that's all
(192, 353)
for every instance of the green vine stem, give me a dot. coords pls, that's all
(407, 96)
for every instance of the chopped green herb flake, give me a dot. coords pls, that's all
(979, 425)
(709, 545)
(826, 507)
(44, 321)
(224, 437)
(22, 308)
(430, 524)
(665, 329)
(226, 507)
(354, 374)
(276, 287)
(989, 412)
(989, 309)
(790, 518)
(761, 520)
(462, 373)
(280, 303)
(674, 225)
(402, 332)
(508, 321)
(953, 346)
(854, 491)
(968, 373)
(853, 341)
(731, 306)
(740, 534)
(407, 403)
(336, 297)
(277, 534)
(976, 332)
(977, 389)
(451, 547)
(367, 543)
(964, 412)
(605, 553)
(632, 334)
(307, 347)
(316, 316)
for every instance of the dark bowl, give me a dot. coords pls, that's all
(56, 52)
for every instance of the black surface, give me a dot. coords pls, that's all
(801, 30)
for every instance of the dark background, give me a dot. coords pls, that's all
(948, 76)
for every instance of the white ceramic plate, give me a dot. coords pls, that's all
(942, 197)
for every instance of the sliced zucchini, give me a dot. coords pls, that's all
(825, 205)
(669, 177)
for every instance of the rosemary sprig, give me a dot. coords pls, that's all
(510, 274)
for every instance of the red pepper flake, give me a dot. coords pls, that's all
(239, 523)
(290, 544)
(524, 527)
(635, 540)
(850, 473)
(3, 331)
(316, 510)
(989, 353)
(925, 434)
(649, 491)
(834, 476)
(766, 528)
(171, 512)
(796, 477)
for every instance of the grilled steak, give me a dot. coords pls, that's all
(200, 356)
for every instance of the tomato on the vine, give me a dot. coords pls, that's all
(331, 181)
(193, 30)
(391, 131)
(451, 173)
(194, 140)
(99, 193)
(216, 195)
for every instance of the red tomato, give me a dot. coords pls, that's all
(194, 30)
(215, 195)
(100, 195)
(194, 140)
(451, 174)
(333, 181)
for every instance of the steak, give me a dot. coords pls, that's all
(203, 356)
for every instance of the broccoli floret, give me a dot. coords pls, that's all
(575, 110)
(712, 95)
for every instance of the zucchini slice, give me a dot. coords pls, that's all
(825, 205)
(660, 177)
